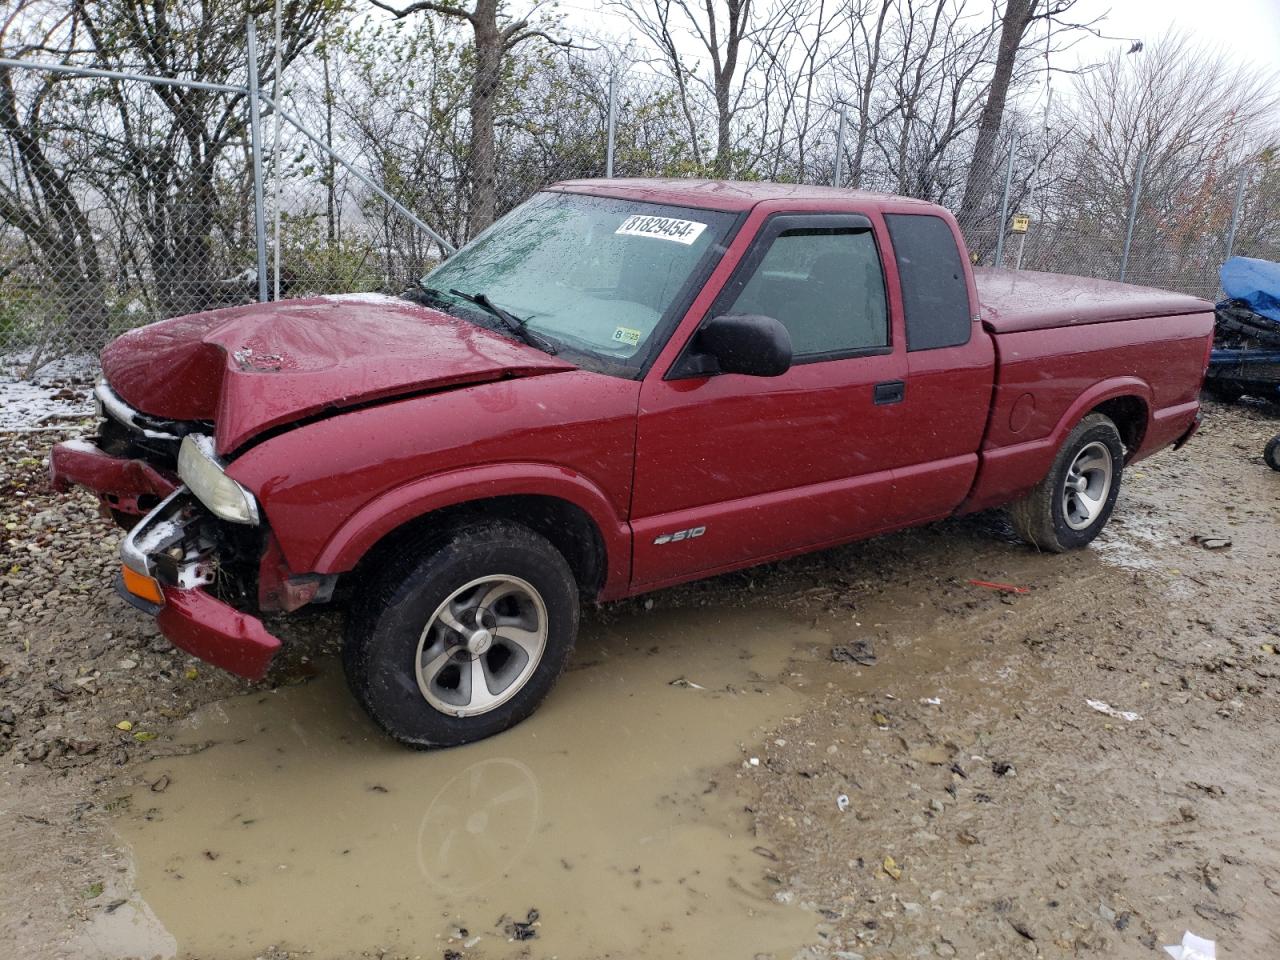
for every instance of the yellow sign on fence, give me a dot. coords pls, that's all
(1021, 222)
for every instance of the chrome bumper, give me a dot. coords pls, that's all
(166, 545)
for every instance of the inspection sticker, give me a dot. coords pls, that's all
(627, 335)
(663, 228)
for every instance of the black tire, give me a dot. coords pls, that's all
(407, 591)
(1041, 517)
(1271, 453)
(1258, 328)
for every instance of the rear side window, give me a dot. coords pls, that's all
(935, 297)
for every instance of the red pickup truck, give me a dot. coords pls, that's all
(621, 385)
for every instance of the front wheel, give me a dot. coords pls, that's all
(465, 639)
(1070, 506)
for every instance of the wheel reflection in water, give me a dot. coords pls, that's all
(479, 824)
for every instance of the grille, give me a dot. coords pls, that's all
(126, 432)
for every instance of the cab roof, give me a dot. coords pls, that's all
(731, 196)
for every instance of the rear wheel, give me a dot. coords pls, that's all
(1071, 505)
(465, 639)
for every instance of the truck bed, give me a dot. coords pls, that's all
(1018, 300)
(1067, 345)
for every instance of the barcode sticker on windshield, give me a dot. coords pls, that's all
(662, 228)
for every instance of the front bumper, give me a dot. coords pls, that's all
(205, 627)
(130, 486)
(163, 549)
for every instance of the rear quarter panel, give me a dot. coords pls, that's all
(1048, 380)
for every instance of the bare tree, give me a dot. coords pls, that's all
(402, 107)
(792, 107)
(724, 30)
(915, 72)
(1196, 117)
(494, 36)
(40, 197)
(167, 147)
(1016, 23)
(865, 57)
(1259, 228)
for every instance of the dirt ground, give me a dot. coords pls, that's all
(859, 753)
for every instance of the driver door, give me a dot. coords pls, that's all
(733, 470)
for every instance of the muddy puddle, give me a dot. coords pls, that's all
(616, 816)
(606, 813)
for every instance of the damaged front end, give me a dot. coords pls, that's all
(188, 569)
(198, 556)
(200, 576)
(131, 463)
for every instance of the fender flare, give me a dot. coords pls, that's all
(1109, 389)
(1008, 472)
(409, 501)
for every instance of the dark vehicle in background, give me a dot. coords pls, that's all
(1246, 339)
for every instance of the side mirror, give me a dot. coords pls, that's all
(754, 346)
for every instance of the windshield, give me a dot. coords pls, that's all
(596, 276)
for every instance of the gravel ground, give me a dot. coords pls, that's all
(88, 688)
(1007, 818)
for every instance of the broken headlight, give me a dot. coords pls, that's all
(203, 473)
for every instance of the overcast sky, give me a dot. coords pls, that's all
(1244, 29)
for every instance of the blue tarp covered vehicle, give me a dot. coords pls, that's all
(1254, 284)
(1246, 343)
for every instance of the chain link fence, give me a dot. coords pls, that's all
(121, 200)
(133, 175)
(1145, 232)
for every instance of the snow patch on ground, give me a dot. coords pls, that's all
(61, 390)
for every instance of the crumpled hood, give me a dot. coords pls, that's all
(255, 367)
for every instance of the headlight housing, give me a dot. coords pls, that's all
(203, 473)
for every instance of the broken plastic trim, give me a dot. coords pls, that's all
(153, 428)
(144, 549)
(152, 533)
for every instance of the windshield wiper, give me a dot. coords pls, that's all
(510, 320)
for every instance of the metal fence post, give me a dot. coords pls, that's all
(613, 119)
(255, 140)
(1133, 215)
(1004, 210)
(275, 167)
(838, 175)
(1235, 210)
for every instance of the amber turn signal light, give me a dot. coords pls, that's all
(140, 585)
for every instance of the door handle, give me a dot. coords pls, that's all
(890, 391)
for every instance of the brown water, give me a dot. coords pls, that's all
(611, 812)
